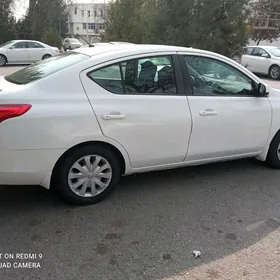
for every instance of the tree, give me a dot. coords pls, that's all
(217, 25)
(47, 14)
(52, 38)
(7, 21)
(124, 21)
(266, 21)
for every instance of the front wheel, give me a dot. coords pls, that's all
(87, 175)
(273, 156)
(274, 72)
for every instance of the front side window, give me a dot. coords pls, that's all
(145, 76)
(211, 77)
(20, 45)
(259, 52)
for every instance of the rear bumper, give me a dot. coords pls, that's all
(28, 167)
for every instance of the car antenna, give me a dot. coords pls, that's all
(89, 44)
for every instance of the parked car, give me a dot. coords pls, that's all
(71, 44)
(87, 117)
(262, 60)
(25, 52)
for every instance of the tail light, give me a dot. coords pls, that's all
(13, 110)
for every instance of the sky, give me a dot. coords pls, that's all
(20, 6)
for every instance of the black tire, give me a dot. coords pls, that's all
(46, 56)
(273, 159)
(3, 60)
(61, 177)
(274, 72)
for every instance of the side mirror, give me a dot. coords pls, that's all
(266, 55)
(262, 90)
(11, 47)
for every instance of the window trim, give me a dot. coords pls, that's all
(180, 86)
(187, 76)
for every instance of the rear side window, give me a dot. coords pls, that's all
(248, 51)
(45, 68)
(145, 76)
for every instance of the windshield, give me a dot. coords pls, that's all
(275, 51)
(45, 68)
(7, 43)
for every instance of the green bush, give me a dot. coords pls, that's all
(52, 38)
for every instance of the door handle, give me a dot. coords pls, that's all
(113, 116)
(208, 112)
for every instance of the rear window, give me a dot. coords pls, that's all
(45, 68)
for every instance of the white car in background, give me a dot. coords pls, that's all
(25, 52)
(262, 60)
(79, 121)
(71, 44)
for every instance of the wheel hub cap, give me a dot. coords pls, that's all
(275, 72)
(90, 176)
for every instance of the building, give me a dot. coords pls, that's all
(87, 19)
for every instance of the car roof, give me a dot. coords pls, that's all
(269, 47)
(137, 48)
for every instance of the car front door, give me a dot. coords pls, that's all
(35, 51)
(228, 120)
(261, 64)
(141, 103)
(18, 53)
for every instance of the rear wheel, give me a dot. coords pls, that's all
(87, 175)
(3, 60)
(46, 56)
(274, 72)
(273, 156)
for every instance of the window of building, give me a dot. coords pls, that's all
(149, 76)
(95, 13)
(88, 12)
(101, 13)
(91, 26)
(83, 13)
(75, 11)
(84, 26)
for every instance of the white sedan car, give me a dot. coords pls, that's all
(79, 121)
(25, 52)
(262, 60)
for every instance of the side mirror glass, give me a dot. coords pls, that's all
(262, 90)
(265, 55)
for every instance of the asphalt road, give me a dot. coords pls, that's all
(149, 226)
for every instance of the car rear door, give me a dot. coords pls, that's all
(228, 120)
(248, 58)
(140, 102)
(35, 51)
